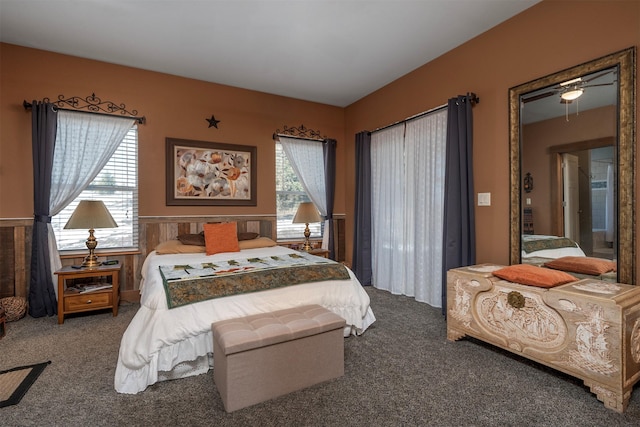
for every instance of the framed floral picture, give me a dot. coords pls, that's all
(210, 173)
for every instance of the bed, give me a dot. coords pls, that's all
(540, 250)
(163, 343)
(586, 328)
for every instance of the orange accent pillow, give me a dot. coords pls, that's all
(222, 237)
(241, 236)
(582, 264)
(531, 275)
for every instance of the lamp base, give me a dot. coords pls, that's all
(91, 260)
(307, 244)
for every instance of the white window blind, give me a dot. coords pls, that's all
(117, 186)
(289, 194)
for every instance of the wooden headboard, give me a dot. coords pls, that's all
(155, 230)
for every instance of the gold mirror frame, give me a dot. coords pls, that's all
(625, 61)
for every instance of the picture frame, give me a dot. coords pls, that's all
(201, 173)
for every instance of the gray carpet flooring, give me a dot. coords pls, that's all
(402, 371)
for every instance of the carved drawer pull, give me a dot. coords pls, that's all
(88, 301)
(515, 299)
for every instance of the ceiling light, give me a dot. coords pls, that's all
(572, 94)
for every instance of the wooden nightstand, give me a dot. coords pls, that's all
(75, 302)
(320, 252)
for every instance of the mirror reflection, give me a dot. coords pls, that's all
(568, 139)
(572, 165)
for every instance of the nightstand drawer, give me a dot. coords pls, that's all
(87, 301)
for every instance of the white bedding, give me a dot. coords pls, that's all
(160, 340)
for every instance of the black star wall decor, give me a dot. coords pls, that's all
(213, 122)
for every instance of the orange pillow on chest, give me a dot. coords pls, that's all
(222, 237)
(582, 264)
(534, 276)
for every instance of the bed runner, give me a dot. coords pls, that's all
(550, 243)
(191, 283)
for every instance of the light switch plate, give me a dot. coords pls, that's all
(484, 199)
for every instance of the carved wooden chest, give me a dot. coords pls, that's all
(589, 329)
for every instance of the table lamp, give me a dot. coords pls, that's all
(307, 213)
(91, 214)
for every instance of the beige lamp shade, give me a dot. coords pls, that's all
(88, 215)
(307, 214)
(91, 214)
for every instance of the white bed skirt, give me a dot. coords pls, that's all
(162, 343)
(193, 356)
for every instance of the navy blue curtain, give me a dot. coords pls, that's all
(329, 154)
(459, 240)
(42, 297)
(361, 265)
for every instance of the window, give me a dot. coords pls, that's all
(289, 194)
(117, 186)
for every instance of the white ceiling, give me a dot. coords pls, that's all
(332, 52)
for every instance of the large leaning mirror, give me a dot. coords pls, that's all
(572, 142)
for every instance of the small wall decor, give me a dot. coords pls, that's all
(210, 173)
(528, 183)
(213, 122)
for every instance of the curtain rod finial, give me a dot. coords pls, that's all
(473, 98)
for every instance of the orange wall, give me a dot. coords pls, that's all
(173, 106)
(551, 36)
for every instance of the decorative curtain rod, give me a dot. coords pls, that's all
(92, 104)
(472, 97)
(301, 133)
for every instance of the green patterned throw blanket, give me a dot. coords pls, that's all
(551, 243)
(191, 283)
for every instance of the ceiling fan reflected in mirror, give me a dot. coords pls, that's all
(572, 89)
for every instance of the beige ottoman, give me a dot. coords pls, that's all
(259, 357)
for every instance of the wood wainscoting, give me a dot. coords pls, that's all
(15, 257)
(15, 247)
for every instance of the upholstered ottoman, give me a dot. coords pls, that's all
(259, 357)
